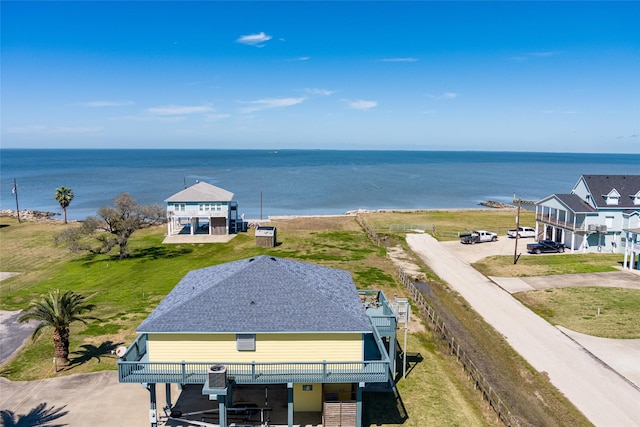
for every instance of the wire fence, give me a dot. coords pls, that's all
(428, 313)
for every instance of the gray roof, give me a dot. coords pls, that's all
(261, 294)
(601, 185)
(575, 203)
(202, 192)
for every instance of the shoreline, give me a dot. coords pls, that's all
(31, 215)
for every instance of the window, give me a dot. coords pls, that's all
(246, 342)
(613, 197)
(209, 207)
(179, 207)
(608, 221)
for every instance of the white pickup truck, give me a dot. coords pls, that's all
(478, 236)
(522, 232)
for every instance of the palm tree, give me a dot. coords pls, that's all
(58, 310)
(64, 196)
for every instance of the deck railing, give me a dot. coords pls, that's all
(254, 372)
(133, 366)
(581, 225)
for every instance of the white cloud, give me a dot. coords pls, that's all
(103, 103)
(444, 95)
(65, 130)
(399, 60)
(361, 104)
(265, 104)
(217, 116)
(324, 92)
(27, 129)
(559, 112)
(178, 110)
(149, 118)
(541, 54)
(54, 130)
(254, 39)
(300, 59)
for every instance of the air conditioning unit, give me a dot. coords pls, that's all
(592, 227)
(601, 228)
(217, 376)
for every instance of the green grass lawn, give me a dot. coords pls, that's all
(527, 266)
(435, 392)
(125, 291)
(449, 223)
(601, 312)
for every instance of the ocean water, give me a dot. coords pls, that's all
(297, 182)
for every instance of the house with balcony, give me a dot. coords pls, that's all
(594, 216)
(260, 321)
(632, 247)
(203, 209)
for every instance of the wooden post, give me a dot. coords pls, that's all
(15, 192)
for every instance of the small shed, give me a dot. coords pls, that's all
(266, 236)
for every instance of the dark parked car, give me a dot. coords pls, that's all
(545, 246)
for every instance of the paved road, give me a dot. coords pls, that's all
(604, 397)
(13, 334)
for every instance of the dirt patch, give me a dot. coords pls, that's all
(314, 223)
(402, 260)
(6, 275)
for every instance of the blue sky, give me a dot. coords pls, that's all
(505, 76)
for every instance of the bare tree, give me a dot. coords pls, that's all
(113, 226)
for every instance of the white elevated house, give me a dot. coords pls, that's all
(203, 209)
(632, 248)
(600, 214)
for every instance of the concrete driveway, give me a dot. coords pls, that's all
(13, 334)
(78, 400)
(595, 388)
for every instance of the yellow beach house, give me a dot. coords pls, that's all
(268, 321)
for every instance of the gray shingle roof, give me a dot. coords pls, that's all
(600, 185)
(575, 203)
(202, 192)
(261, 294)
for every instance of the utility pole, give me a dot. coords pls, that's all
(515, 248)
(15, 192)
